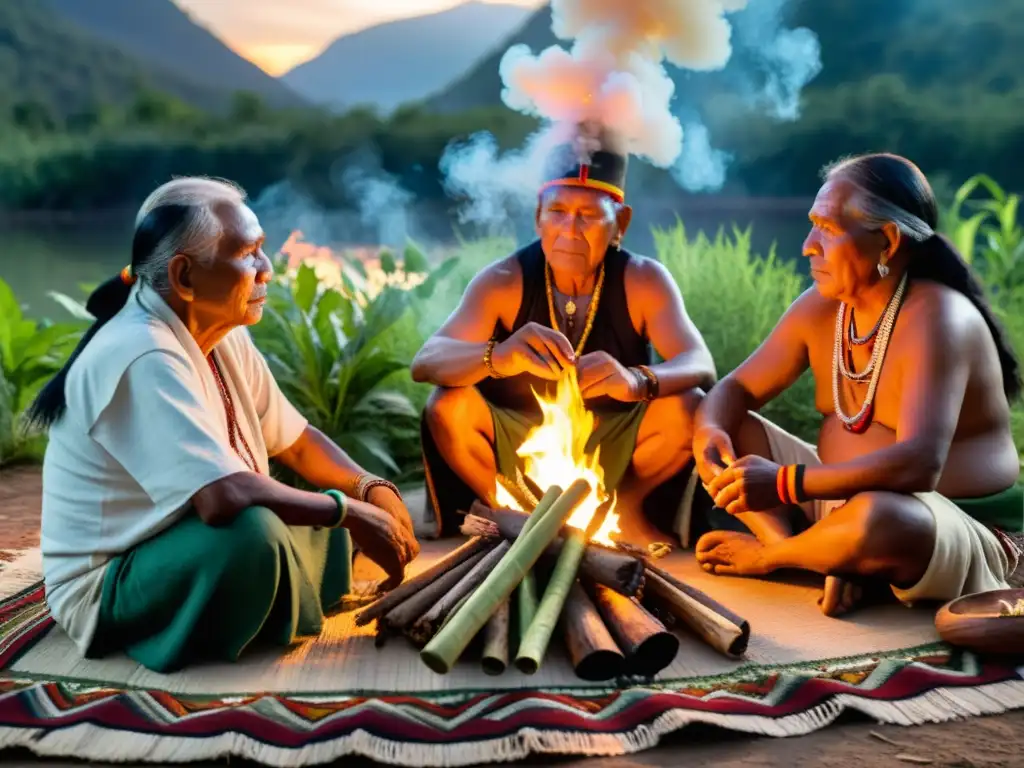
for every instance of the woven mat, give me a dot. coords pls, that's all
(339, 695)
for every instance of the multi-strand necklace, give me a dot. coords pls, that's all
(570, 307)
(859, 422)
(234, 428)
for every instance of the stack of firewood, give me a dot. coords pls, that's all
(615, 607)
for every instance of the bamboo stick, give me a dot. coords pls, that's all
(427, 624)
(448, 644)
(409, 610)
(719, 627)
(494, 658)
(410, 586)
(622, 571)
(592, 649)
(526, 604)
(647, 645)
(535, 643)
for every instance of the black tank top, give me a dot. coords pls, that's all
(612, 331)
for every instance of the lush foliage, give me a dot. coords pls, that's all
(339, 344)
(30, 353)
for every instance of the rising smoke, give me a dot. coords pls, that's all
(618, 73)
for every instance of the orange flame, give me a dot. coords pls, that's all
(554, 453)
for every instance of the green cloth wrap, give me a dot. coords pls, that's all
(1003, 510)
(615, 432)
(197, 592)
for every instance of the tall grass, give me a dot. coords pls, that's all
(735, 297)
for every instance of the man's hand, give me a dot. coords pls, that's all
(535, 349)
(713, 452)
(747, 485)
(383, 539)
(601, 374)
(383, 497)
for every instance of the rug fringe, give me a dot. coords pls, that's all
(84, 741)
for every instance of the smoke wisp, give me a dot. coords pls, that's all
(616, 75)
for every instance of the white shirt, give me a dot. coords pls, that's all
(145, 429)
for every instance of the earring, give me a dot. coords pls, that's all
(883, 270)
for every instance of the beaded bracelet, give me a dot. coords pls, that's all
(368, 481)
(489, 359)
(789, 484)
(652, 382)
(342, 501)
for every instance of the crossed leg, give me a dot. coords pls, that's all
(463, 429)
(841, 591)
(878, 535)
(664, 445)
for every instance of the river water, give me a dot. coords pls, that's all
(39, 254)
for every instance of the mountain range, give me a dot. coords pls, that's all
(163, 37)
(404, 61)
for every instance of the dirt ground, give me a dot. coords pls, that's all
(854, 743)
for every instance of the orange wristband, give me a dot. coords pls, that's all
(781, 485)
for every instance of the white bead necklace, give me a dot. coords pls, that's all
(874, 368)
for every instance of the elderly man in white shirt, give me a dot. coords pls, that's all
(163, 534)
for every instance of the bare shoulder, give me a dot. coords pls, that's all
(649, 276)
(498, 280)
(932, 309)
(810, 310)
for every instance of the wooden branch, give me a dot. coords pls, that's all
(494, 659)
(621, 571)
(426, 625)
(410, 586)
(592, 650)
(715, 624)
(647, 645)
(517, 493)
(405, 613)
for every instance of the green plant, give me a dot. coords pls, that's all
(31, 352)
(330, 358)
(735, 298)
(990, 238)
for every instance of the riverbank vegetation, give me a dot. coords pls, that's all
(56, 163)
(340, 344)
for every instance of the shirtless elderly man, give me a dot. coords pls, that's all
(914, 480)
(163, 533)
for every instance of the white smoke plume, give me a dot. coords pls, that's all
(614, 76)
(786, 59)
(382, 202)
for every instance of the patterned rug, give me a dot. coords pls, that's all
(339, 696)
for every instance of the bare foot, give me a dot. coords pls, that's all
(839, 596)
(731, 553)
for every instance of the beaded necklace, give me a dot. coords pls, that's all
(860, 422)
(591, 310)
(234, 429)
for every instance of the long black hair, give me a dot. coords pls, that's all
(900, 183)
(107, 300)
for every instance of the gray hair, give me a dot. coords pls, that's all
(199, 233)
(874, 211)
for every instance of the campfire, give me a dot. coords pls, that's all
(616, 607)
(554, 453)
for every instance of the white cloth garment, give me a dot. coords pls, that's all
(145, 429)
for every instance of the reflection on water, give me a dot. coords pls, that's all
(62, 254)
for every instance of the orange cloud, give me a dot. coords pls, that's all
(277, 36)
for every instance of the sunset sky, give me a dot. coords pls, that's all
(277, 34)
